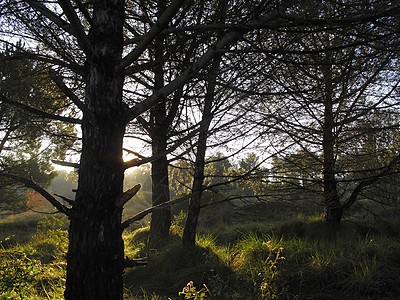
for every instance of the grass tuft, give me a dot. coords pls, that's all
(296, 259)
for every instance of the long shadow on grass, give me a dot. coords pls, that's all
(171, 266)
(361, 261)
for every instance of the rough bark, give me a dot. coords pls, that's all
(96, 252)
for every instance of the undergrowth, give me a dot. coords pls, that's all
(36, 269)
(296, 259)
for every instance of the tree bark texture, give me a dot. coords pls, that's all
(333, 209)
(96, 251)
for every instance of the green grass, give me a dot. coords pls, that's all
(18, 228)
(34, 269)
(295, 259)
(300, 255)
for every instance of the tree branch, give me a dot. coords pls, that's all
(31, 184)
(127, 195)
(129, 263)
(77, 28)
(134, 153)
(224, 42)
(149, 210)
(39, 112)
(84, 11)
(50, 15)
(71, 95)
(161, 23)
(66, 164)
(46, 59)
(353, 197)
(144, 160)
(202, 62)
(69, 201)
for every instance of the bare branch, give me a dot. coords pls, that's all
(84, 11)
(37, 5)
(202, 62)
(350, 201)
(134, 153)
(129, 263)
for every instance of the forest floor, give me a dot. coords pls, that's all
(259, 251)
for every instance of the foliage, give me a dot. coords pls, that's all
(35, 200)
(270, 273)
(190, 292)
(178, 223)
(139, 175)
(25, 82)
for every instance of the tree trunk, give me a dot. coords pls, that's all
(161, 219)
(333, 210)
(189, 232)
(95, 259)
